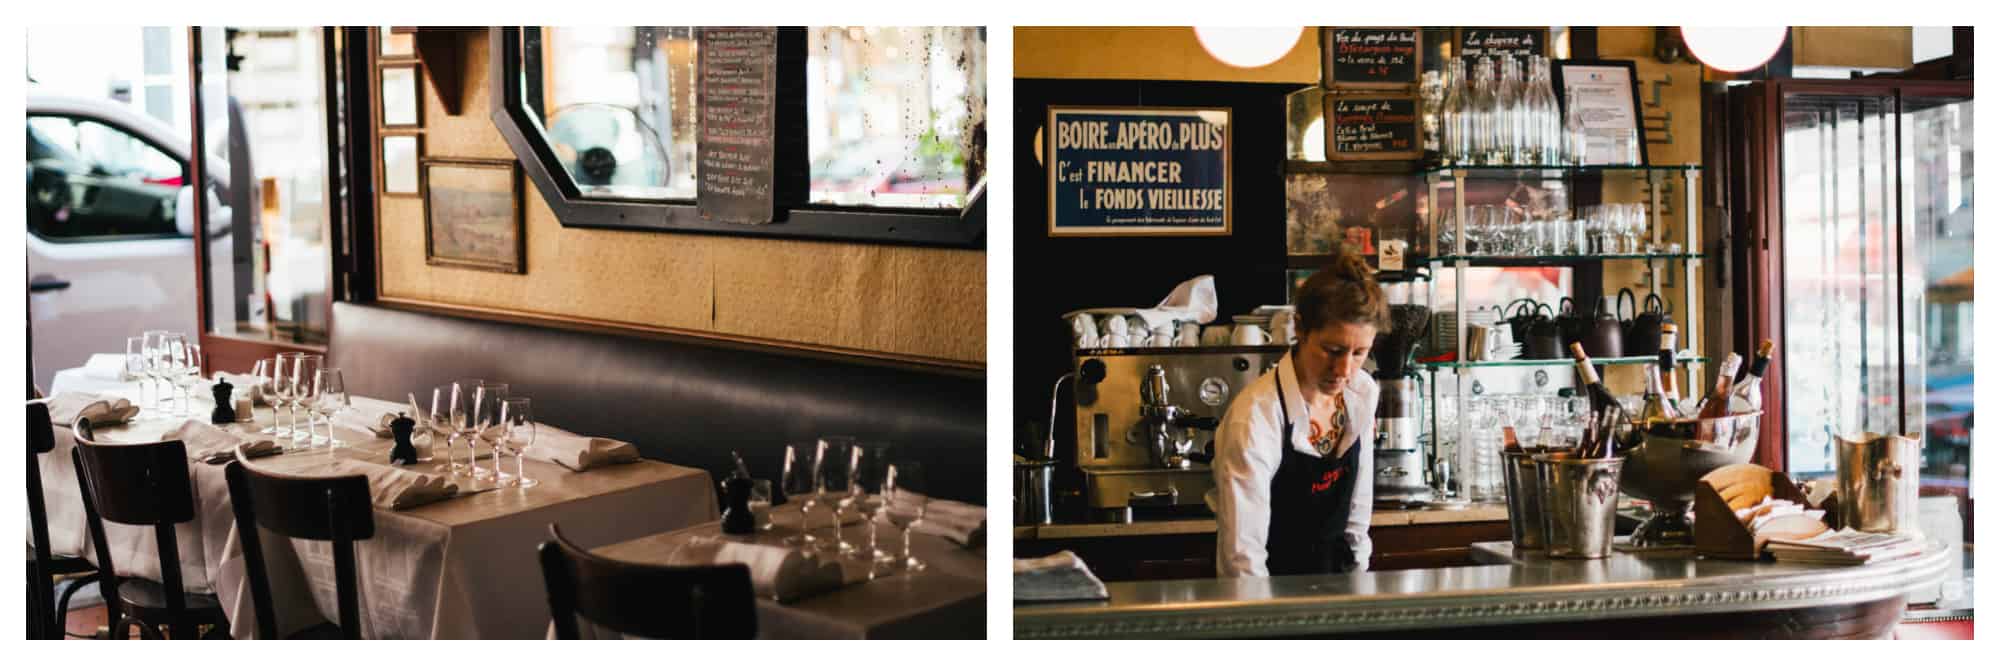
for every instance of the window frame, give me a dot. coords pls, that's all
(186, 176)
(956, 228)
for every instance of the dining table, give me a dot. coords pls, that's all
(464, 567)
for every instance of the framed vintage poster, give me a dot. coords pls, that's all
(472, 215)
(1138, 171)
(1605, 99)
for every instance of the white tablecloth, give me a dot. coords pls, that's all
(461, 568)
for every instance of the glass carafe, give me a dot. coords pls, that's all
(1573, 135)
(1456, 147)
(1485, 112)
(1509, 93)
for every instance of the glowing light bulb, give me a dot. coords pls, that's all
(1248, 47)
(1733, 49)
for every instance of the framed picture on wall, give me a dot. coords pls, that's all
(1138, 171)
(402, 97)
(472, 214)
(400, 154)
(1604, 96)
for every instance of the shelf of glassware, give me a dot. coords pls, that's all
(1551, 362)
(1477, 260)
(1443, 173)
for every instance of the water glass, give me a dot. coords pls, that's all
(835, 487)
(135, 367)
(155, 350)
(903, 485)
(329, 398)
(517, 434)
(304, 370)
(870, 471)
(799, 487)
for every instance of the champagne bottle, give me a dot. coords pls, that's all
(1656, 407)
(1751, 389)
(1716, 403)
(1593, 387)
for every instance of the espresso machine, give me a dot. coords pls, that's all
(1400, 461)
(1145, 418)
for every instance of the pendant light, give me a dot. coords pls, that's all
(1248, 47)
(1733, 49)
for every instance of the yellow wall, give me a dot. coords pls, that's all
(1149, 54)
(922, 304)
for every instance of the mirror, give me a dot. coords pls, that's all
(617, 106)
(399, 165)
(400, 96)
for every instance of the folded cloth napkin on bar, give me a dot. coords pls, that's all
(397, 489)
(776, 572)
(109, 367)
(372, 420)
(1193, 300)
(64, 408)
(1058, 577)
(577, 452)
(206, 442)
(241, 385)
(963, 524)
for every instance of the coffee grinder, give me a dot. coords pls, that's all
(1400, 463)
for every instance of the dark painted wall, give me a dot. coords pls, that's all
(1056, 275)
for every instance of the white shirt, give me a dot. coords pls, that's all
(1248, 450)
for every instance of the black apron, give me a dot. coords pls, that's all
(1311, 498)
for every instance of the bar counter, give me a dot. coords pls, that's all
(1625, 595)
(1381, 518)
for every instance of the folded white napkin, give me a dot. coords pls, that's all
(1193, 300)
(1058, 577)
(208, 442)
(241, 385)
(372, 420)
(961, 523)
(64, 408)
(577, 452)
(109, 367)
(397, 489)
(776, 572)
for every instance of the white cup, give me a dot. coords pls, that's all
(1217, 335)
(1249, 334)
(1114, 325)
(1190, 335)
(1117, 341)
(1088, 340)
(1083, 322)
(1284, 327)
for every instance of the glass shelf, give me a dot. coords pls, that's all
(1553, 260)
(1545, 362)
(1548, 171)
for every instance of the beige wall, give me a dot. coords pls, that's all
(922, 304)
(1149, 54)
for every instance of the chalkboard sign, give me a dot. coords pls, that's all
(1370, 57)
(1373, 127)
(1517, 42)
(738, 93)
(1148, 171)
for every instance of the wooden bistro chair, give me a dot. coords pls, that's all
(46, 617)
(335, 509)
(145, 485)
(649, 600)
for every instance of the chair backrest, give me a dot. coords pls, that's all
(41, 439)
(649, 600)
(135, 484)
(334, 509)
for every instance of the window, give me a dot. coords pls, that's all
(90, 180)
(620, 106)
(895, 117)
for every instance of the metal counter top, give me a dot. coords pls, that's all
(1382, 518)
(1532, 590)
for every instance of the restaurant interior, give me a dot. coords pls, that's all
(506, 332)
(1582, 235)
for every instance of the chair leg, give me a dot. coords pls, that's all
(62, 607)
(146, 630)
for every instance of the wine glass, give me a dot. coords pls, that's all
(834, 473)
(870, 470)
(463, 424)
(135, 366)
(903, 484)
(274, 391)
(517, 433)
(155, 350)
(330, 393)
(437, 423)
(486, 419)
(798, 486)
(304, 370)
(187, 373)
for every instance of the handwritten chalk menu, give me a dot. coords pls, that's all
(1138, 171)
(1373, 127)
(738, 93)
(1371, 57)
(1517, 42)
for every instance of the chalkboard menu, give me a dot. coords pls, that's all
(1371, 57)
(1517, 42)
(738, 93)
(1146, 171)
(1373, 127)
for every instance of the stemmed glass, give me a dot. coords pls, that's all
(799, 486)
(273, 391)
(437, 423)
(517, 433)
(304, 369)
(902, 486)
(835, 474)
(187, 373)
(464, 424)
(260, 389)
(330, 397)
(160, 366)
(135, 366)
(284, 385)
(155, 351)
(486, 418)
(870, 470)
(306, 394)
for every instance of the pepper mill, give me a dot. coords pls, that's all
(404, 452)
(225, 412)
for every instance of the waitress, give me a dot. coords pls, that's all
(1293, 487)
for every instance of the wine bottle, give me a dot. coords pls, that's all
(1716, 403)
(1751, 389)
(1656, 407)
(1593, 386)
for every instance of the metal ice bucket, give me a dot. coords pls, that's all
(1878, 482)
(1524, 500)
(1579, 503)
(1664, 471)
